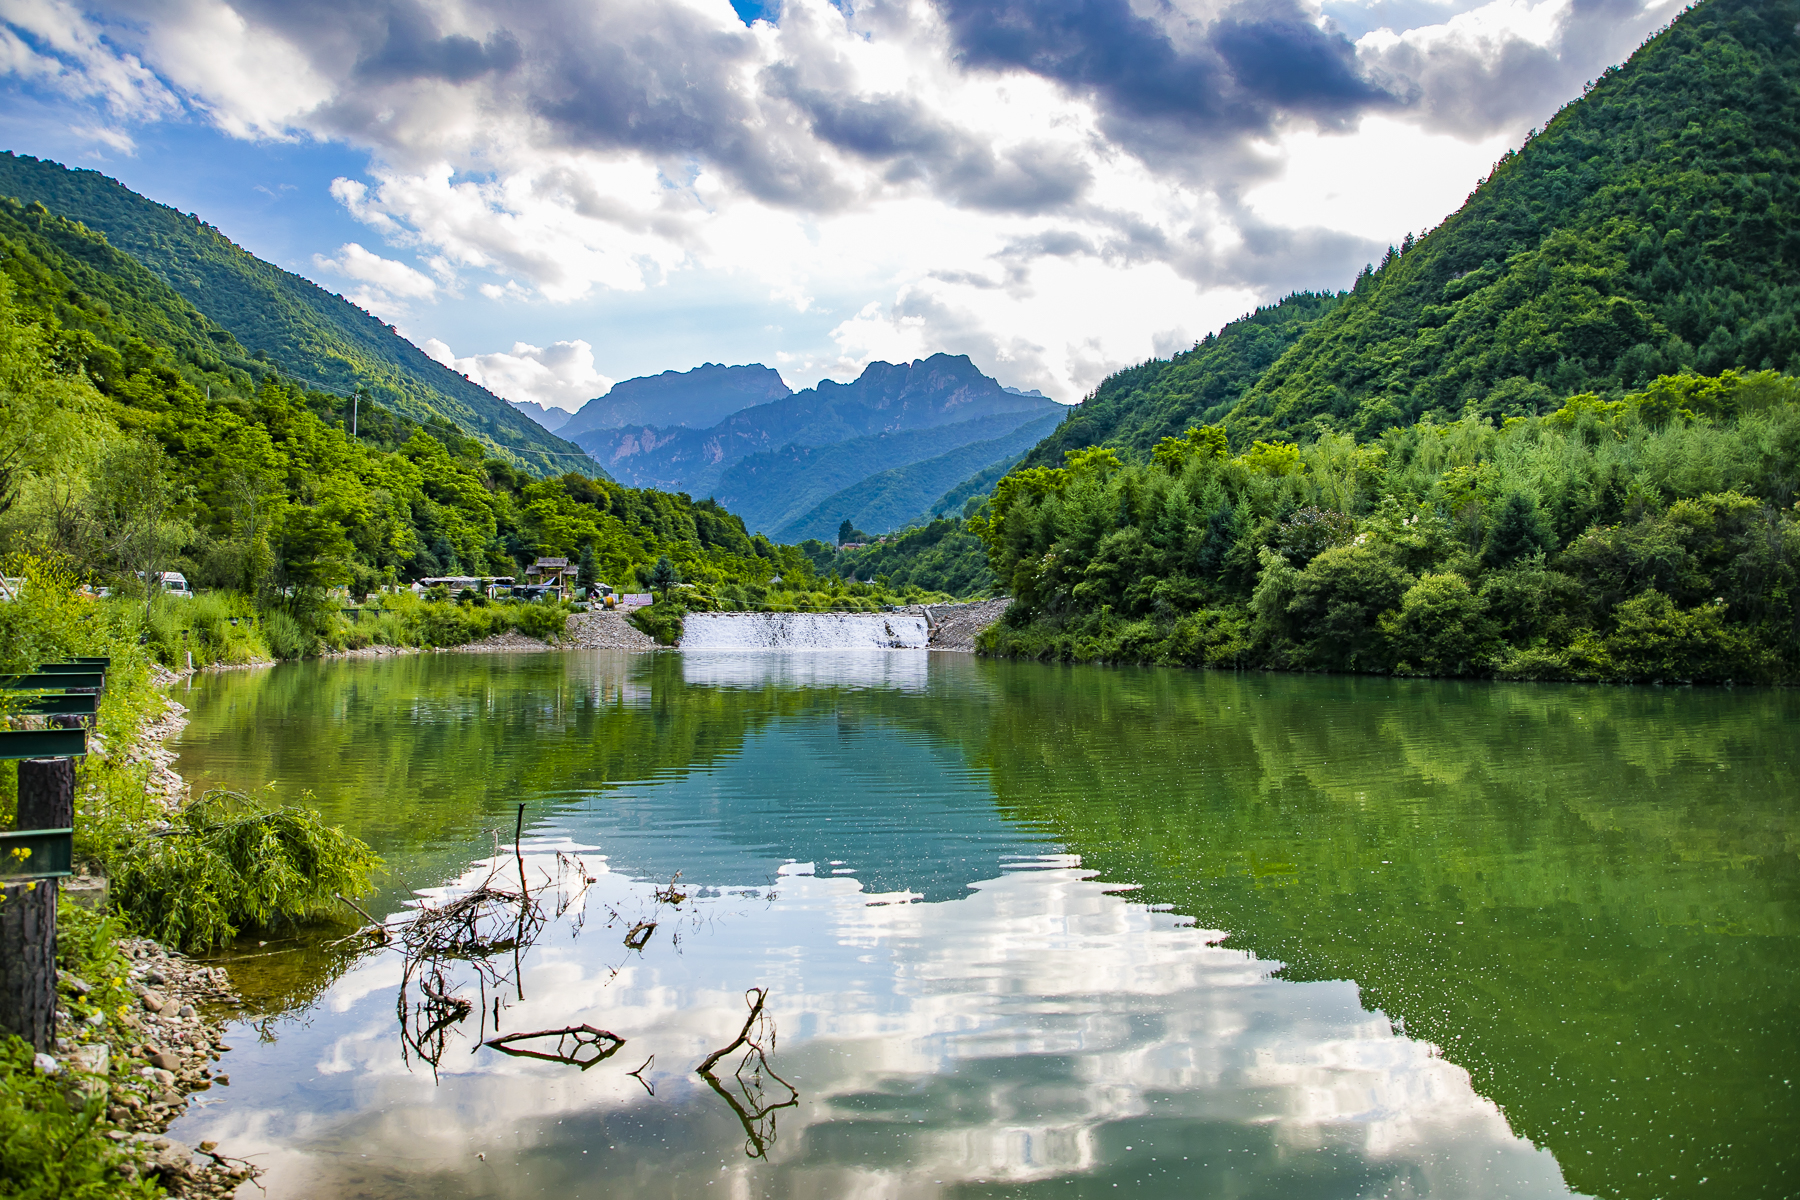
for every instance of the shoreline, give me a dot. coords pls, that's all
(149, 1059)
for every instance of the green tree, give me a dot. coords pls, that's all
(664, 576)
(1517, 530)
(1441, 628)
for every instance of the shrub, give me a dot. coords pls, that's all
(1338, 601)
(1656, 640)
(52, 1142)
(1442, 628)
(229, 864)
(662, 621)
(284, 636)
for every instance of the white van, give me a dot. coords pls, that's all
(174, 583)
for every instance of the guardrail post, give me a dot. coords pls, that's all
(28, 910)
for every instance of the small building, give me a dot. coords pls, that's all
(553, 573)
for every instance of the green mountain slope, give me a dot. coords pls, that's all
(269, 489)
(320, 338)
(1136, 408)
(896, 497)
(1415, 488)
(1653, 226)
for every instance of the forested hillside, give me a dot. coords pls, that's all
(321, 339)
(1653, 226)
(1553, 438)
(1136, 408)
(136, 435)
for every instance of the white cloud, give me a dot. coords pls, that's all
(1056, 214)
(560, 375)
(385, 286)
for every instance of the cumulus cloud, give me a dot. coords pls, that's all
(560, 375)
(383, 285)
(1050, 182)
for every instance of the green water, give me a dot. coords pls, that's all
(1178, 933)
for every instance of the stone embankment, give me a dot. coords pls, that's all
(955, 626)
(599, 630)
(594, 630)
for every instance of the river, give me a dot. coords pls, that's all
(1028, 930)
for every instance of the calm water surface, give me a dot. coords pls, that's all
(1032, 930)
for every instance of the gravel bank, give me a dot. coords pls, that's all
(954, 626)
(164, 1054)
(605, 631)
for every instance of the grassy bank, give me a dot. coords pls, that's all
(235, 864)
(222, 628)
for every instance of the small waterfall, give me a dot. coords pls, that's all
(804, 631)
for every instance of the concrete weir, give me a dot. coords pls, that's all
(804, 631)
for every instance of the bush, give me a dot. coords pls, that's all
(541, 620)
(662, 621)
(230, 865)
(1338, 601)
(1654, 640)
(284, 636)
(52, 1142)
(1442, 628)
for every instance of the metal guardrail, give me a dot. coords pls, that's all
(27, 854)
(42, 743)
(61, 704)
(64, 682)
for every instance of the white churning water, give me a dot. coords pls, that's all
(804, 631)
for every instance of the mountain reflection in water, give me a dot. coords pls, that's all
(987, 900)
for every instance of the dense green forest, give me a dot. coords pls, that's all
(940, 556)
(137, 436)
(1551, 438)
(320, 339)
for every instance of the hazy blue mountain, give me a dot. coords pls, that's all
(887, 398)
(312, 335)
(774, 489)
(696, 399)
(549, 417)
(904, 495)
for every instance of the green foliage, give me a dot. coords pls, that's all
(1645, 541)
(1139, 408)
(663, 576)
(52, 1141)
(1648, 228)
(941, 557)
(228, 864)
(1441, 628)
(662, 621)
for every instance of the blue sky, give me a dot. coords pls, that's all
(561, 195)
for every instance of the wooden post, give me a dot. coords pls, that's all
(28, 910)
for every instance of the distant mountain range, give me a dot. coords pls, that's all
(551, 419)
(879, 451)
(696, 399)
(288, 322)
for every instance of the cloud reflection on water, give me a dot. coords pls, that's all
(1042, 1027)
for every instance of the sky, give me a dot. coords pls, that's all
(557, 194)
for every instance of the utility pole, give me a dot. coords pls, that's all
(355, 399)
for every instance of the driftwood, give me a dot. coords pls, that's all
(753, 1104)
(640, 934)
(602, 1043)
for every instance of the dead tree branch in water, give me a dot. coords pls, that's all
(603, 1044)
(755, 1111)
